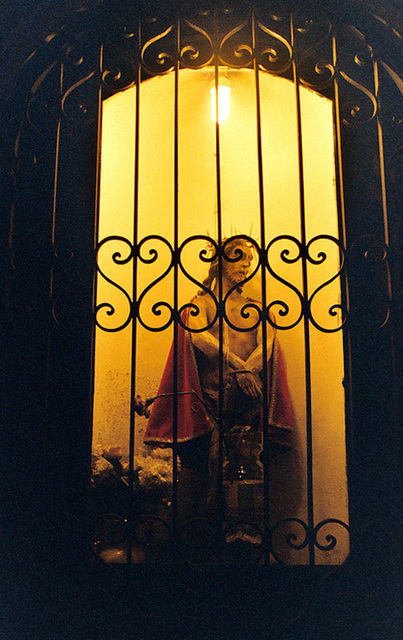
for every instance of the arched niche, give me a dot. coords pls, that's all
(51, 126)
(153, 223)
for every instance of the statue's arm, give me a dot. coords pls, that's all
(255, 361)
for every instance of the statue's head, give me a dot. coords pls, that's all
(237, 259)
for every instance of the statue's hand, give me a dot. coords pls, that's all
(250, 385)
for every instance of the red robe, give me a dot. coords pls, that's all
(193, 419)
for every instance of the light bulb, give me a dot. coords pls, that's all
(223, 103)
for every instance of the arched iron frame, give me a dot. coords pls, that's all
(271, 47)
(66, 81)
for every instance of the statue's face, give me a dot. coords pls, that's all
(237, 271)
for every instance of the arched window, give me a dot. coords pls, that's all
(207, 301)
(259, 199)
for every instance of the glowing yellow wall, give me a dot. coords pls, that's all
(240, 211)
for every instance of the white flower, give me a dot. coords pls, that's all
(155, 467)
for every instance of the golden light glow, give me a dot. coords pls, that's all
(223, 103)
(240, 210)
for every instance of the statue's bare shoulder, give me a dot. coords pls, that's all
(205, 311)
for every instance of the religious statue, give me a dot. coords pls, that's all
(198, 380)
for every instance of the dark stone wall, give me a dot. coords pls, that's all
(53, 588)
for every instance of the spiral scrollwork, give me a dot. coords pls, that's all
(40, 113)
(363, 108)
(197, 46)
(43, 107)
(120, 60)
(279, 12)
(245, 313)
(314, 58)
(159, 307)
(207, 255)
(396, 116)
(108, 308)
(295, 541)
(251, 310)
(391, 117)
(364, 55)
(248, 307)
(158, 54)
(273, 51)
(355, 76)
(281, 307)
(376, 253)
(231, 246)
(73, 55)
(370, 250)
(236, 46)
(331, 540)
(192, 309)
(319, 258)
(120, 74)
(77, 102)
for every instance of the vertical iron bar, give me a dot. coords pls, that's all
(343, 236)
(96, 233)
(53, 242)
(55, 180)
(220, 478)
(308, 384)
(382, 171)
(175, 301)
(264, 318)
(132, 433)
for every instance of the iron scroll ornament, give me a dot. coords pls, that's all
(161, 52)
(157, 46)
(107, 307)
(202, 543)
(193, 47)
(207, 255)
(313, 52)
(320, 259)
(356, 81)
(252, 39)
(281, 307)
(310, 537)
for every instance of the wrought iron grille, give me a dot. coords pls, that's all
(311, 51)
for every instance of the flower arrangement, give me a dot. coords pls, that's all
(154, 468)
(152, 478)
(106, 463)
